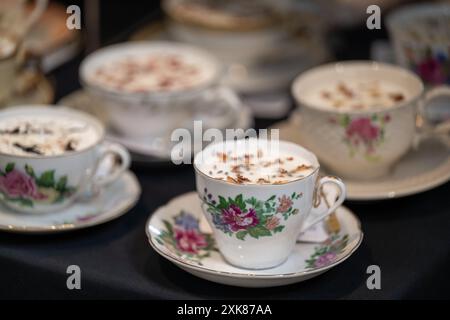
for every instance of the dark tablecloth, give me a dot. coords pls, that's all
(409, 238)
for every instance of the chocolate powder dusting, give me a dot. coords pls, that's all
(70, 146)
(231, 179)
(303, 167)
(397, 97)
(241, 179)
(29, 149)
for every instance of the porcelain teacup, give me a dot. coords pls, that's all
(364, 142)
(256, 225)
(32, 181)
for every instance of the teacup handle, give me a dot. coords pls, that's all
(317, 215)
(105, 150)
(94, 181)
(425, 129)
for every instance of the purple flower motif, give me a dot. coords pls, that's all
(187, 221)
(220, 224)
(325, 259)
(238, 220)
(431, 70)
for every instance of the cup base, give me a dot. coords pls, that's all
(253, 267)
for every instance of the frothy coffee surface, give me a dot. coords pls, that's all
(156, 72)
(353, 95)
(255, 166)
(44, 136)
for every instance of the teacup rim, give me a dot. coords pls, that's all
(256, 185)
(353, 63)
(156, 95)
(52, 108)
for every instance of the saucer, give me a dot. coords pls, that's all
(114, 201)
(308, 260)
(418, 171)
(143, 149)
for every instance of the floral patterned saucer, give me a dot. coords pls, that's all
(112, 202)
(179, 232)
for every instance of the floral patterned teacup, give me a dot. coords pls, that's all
(420, 35)
(256, 225)
(46, 183)
(365, 143)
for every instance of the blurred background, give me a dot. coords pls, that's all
(263, 44)
(311, 32)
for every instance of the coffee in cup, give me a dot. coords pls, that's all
(361, 117)
(258, 196)
(49, 157)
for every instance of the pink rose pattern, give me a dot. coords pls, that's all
(25, 188)
(238, 220)
(16, 184)
(285, 204)
(251, 217)
(190, 241)
(328, 253)
(185, 237)
(363, 134)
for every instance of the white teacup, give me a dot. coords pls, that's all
(40, 183)
(256, 225)
(420, 36)
(365, 143)
(152, 111)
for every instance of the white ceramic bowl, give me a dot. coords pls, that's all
(151, 113)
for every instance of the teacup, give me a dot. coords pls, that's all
(256, 222)
(362, 131)
(156, 87)
(420, 35)
(50, 157)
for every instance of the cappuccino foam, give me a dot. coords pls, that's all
(255, 165)
(45, 136)
(155, 72)
(355, 95)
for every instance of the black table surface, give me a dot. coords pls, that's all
(408, 238)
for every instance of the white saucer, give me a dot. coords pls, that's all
(308, 259)
(418, 171)
(154, 149)
(114, 201)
